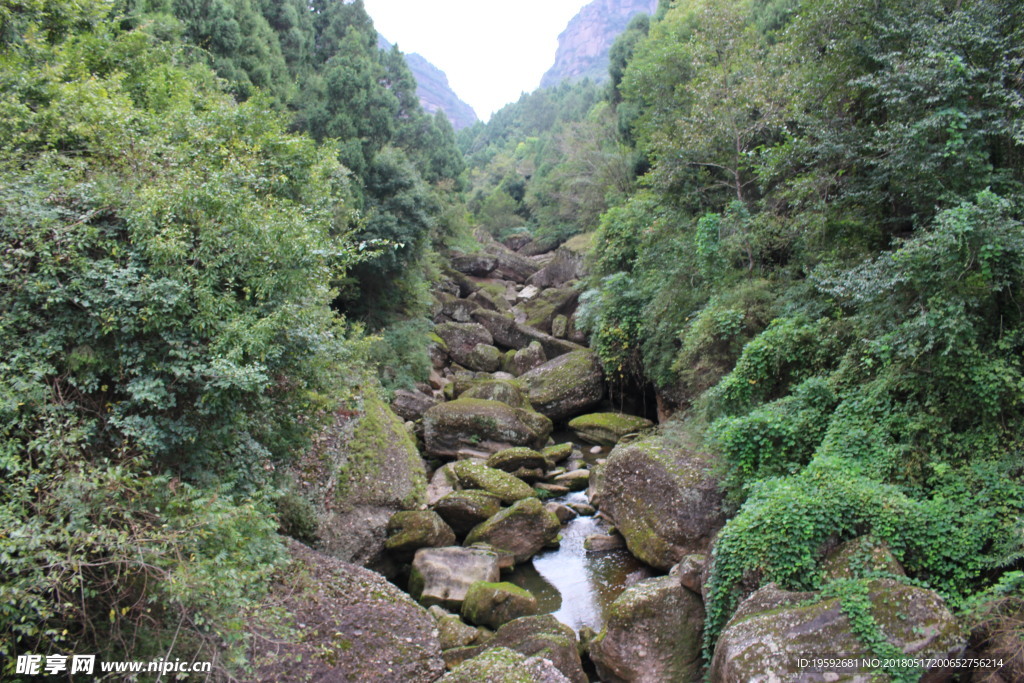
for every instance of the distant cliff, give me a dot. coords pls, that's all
(584, 45)
(433, 90)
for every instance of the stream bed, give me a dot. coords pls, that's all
(573, 584)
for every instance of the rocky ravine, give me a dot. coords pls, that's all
(510, 366)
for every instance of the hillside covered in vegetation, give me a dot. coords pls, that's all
(789, 230)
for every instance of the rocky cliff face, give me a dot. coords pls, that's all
(584, 45)
(433, 90)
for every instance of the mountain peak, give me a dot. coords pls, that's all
(433, 90)
(584, 45)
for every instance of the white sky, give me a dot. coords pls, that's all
(491, 50)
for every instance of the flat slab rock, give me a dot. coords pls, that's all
(442, 576)
(348, 624)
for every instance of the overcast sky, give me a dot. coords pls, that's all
(491, 50)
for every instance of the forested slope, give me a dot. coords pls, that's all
(817, 267)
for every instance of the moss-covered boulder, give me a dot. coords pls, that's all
(501, 665)
(663, 497)
(463, 510)
(441, 576)
(484, 358)
(410, 530)
(523, 529)
(653, 633)
(560, 326)
(471, 427)
(567, 385)
(476, 475)
(512, 459)
(454, 309)
(773, 629)
(355, 626)
(453, 632)
(359, 472)
(527, 359)
(605, 429)
(541, 310)
(492, 300)
(493, 604)
(538, 636)
(461, 339)
(577, 480)
(504, 391)
(557, 453)
(858, 558)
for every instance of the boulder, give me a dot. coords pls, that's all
(463, 285)
(476, 475)
(461, 339)
(577, 480)
(463, 510)
(512, 459)
(859, 557)
(355, 625)
(773, 629)
(605, 429)
(560, 326)
(567, 385)
(664, 499)
(567, 265)
(441, 484)
(653, 634)
(441, 576)
(690, 572)
(452, 631)
(501, 665)
(507, 332)
(470, 427)
(539, 311)
(454, 308)
(492, 301)
(522, 529)
(410, 530)
(358, 473)
(479, 264)
(509, 264)
(410, 405)
(493, 604)
(557, 453)
(524, 360)
(484, 358)
(539, 636)
(597, 543)
(506, 391)
(563, 512)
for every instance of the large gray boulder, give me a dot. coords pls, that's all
(479, 264)
(567, 385)
(567, 265)
(506, 391)
(664, 499)
(540, 311)
(442, 576)
(355, 627)
(461, 339)
(410, 405)
(470, 427)
(527, 359)
(773, 629)
(508, 333)
(365, 468)
(653, 635)
(523, 529)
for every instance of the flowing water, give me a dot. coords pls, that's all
(575, 585)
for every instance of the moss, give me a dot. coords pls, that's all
(511, 459)
(478, 475)
(504, 391)
(557, 453)
(497, 665)
(381, 459)
(580, 244)
(607, 428)
(494, 604)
